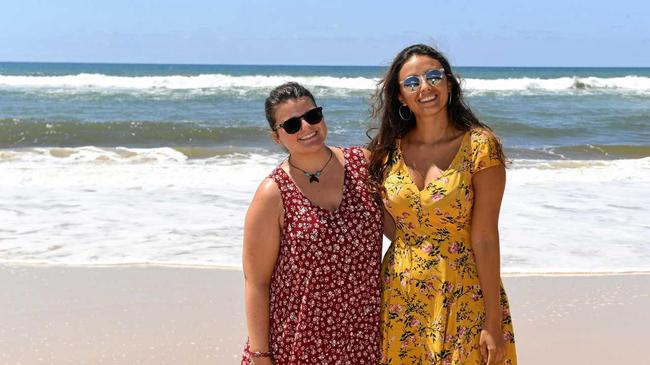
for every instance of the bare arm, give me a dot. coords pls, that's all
(260, 252)
(489, 185)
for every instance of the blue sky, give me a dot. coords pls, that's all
(334, 32)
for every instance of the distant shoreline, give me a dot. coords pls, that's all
(300, 65)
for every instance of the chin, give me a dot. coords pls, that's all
(313, 146)
(433, 111)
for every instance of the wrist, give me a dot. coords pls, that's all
(493, 314)
(258, 352)
(492, 324)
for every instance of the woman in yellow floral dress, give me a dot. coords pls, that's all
(442, 177)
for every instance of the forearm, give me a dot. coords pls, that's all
(257, 315)
(389, 226)
(487, 256)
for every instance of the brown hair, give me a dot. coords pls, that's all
(385, 107)
(282, 93)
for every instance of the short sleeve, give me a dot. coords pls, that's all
(486, 150)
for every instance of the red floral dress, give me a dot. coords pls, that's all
(325, 289)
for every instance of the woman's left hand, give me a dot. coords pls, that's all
(492, 346)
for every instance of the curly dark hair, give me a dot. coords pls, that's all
(385, 107)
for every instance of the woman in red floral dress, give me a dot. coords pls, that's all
(312, 247)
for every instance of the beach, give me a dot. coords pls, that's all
(135, 135)
(194, 315)
(124, 189)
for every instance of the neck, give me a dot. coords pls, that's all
(432, 130)
(311, 161)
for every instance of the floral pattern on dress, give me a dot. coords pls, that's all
(432, 309)
(325, 288)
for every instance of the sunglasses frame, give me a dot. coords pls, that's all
(432, 81)
(283, 125)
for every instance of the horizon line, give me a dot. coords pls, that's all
(283, 65)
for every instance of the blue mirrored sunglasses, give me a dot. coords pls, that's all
(432, 77)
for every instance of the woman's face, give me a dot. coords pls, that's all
(427, 100)
(310, 137)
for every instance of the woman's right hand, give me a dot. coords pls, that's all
(492, 346)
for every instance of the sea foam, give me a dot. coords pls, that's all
(214, 83)
(90, 206)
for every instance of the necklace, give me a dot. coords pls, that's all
(313, 176)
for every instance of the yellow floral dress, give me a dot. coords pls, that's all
(432, 309)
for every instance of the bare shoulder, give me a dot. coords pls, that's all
(268, 195)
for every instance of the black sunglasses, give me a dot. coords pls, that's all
(293, 125)
(433, 77)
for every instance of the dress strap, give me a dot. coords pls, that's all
(356, 163)
(292, 198)
(284, 184)
(279, 178)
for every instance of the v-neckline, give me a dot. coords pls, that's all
(343, 193)
(444, 172)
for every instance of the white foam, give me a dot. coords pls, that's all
(156, 206)
(592, 218)
(211, 83)
(207, 81)
(91, 154)
(627, 84)
(77, 211)
(581, 171)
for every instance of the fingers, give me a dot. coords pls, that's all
(484, 351)
(495, 355)
(492, 352)
(502, 355)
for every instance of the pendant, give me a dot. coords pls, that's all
(313, 177)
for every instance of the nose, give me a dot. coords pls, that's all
(303, 124)
(424, 84)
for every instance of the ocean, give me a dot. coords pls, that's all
(113, 164)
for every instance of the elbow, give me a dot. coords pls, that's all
(257, 283)
(486, 247)
(486, 243)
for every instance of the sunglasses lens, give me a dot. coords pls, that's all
(291, 125)
(433, 77)
(314, 116)
(412, 83)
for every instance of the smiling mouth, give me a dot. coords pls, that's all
(428, 99)
(310, 135)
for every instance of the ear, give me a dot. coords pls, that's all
(276, 137)
(401, 99)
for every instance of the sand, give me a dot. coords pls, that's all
(185, 315)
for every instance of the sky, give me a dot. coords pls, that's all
(551, 33)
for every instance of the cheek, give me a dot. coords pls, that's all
(282, 141)
(322, 130)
